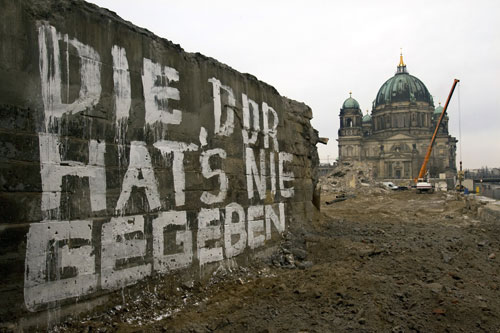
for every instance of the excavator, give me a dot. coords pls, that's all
(422, 183)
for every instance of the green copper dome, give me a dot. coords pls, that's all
(403, 87)
(438, 110)
(350, 103)
(367, 118)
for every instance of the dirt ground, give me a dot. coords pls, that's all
(381, 262)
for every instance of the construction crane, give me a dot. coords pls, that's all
(423, 185)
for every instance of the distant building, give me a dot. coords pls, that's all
(394, 138)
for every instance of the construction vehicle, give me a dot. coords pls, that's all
(461, 177)
(422, 182)
(424, 186)
(390, 186)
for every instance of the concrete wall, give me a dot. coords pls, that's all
(490, 190)
(124, 157)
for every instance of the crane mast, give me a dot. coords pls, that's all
(423, 169)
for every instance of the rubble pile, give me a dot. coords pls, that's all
(429, 262)
(350, 177)
(291, 254)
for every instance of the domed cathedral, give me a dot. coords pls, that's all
(394, 138)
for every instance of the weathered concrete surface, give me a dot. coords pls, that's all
(124, 157)
(490, 212)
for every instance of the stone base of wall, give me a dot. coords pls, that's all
(490, 212)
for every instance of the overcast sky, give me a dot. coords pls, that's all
(317, 51)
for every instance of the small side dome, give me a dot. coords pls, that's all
(350, 103)
(438, 110)
(367, 118)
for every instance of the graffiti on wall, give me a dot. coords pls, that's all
(72, 258)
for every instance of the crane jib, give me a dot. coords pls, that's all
(429, 150)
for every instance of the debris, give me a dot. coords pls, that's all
(454, 276)
(188, 284)
(305, 264)
(339, 198)
(435, 287)
(349, 177)
(446, 257)
(409, 273)
(323, 140)
(398, 329)
(439, 311)
(482, 243)
(299, 253)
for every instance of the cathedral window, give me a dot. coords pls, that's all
(407, 169)
(349, 151)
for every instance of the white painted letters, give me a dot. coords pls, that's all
(164, 262)
(256, 232)
(251, 125)
(53, 169)
(121, 78)
(285, 176)
(270, 131)
(62, 256)
(226, 128)
(140, 174)
(178, 149)
(208, 231)
(123, 246)
(253, 174)
(50, 72)
(60, 262)
(157, 91)
(273, 218)
(207, 197)
(234, 229)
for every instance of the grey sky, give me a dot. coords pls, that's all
(317, 51)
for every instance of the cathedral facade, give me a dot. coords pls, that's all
(395, 137)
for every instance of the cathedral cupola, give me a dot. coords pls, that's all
(402, 88)
(367, 118)
(437, 111)
(350, 103)
(350, 117)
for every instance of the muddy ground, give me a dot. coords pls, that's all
(384, 262)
